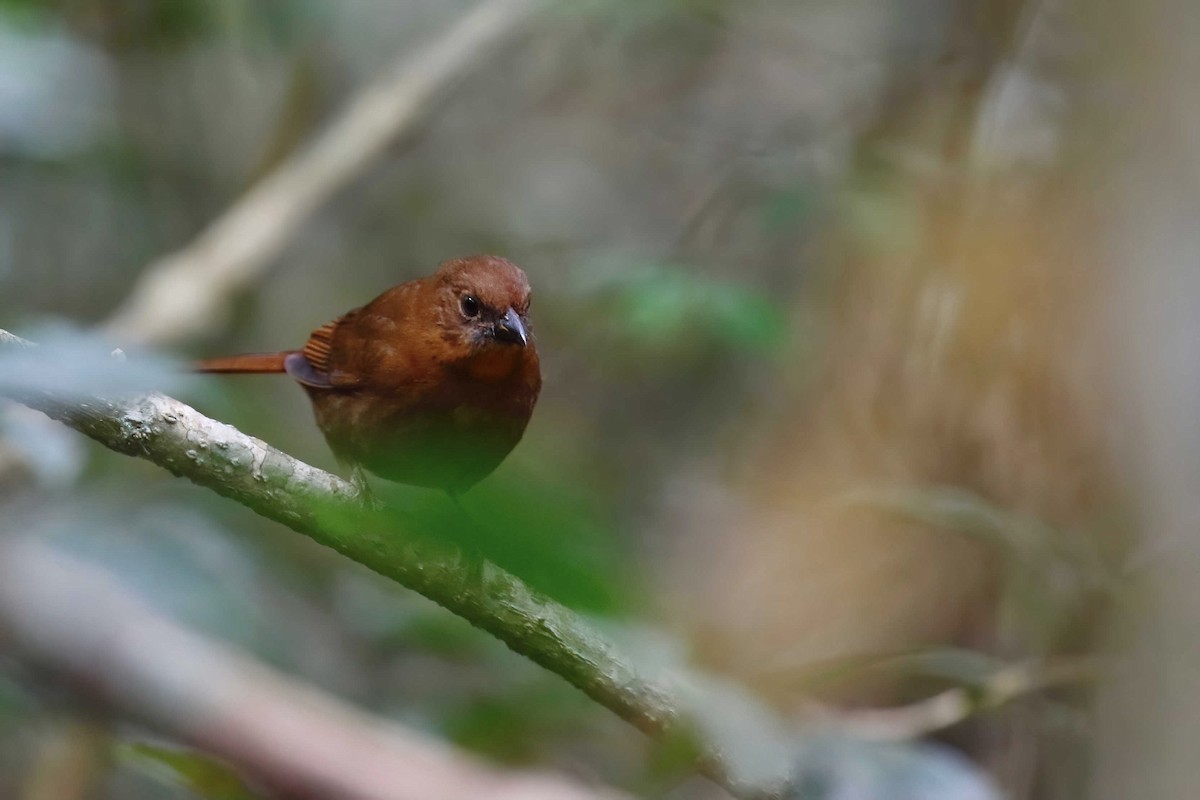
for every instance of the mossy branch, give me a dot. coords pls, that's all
(328, 509)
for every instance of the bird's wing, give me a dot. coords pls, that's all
(320, 345)
(326, 362)
(312, 366)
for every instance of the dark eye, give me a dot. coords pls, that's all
(470, 306)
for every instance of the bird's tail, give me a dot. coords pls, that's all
(249, 363)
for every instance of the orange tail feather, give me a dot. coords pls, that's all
(249, 363)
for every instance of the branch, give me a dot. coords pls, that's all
(326, 508)
(181, 293)
(77, 622)
(7, 338)
(949, 708)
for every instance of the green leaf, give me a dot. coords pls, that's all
(957, 510)
(958, 666)
(672, 759)
(514, 725)
(673, 308)
(547, 533)
(787, 208)
(190, 769)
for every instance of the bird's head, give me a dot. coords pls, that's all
(483, 303)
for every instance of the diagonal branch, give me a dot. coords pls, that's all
(182, 292)
(74, 621)
(326, 508)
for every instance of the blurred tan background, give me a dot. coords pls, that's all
(866, 329)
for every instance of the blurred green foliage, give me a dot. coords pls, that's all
(203, 776)
(669, 312)
(509, 726)
(170, 23)
(549, 535)
(663, 169)
(16, 703)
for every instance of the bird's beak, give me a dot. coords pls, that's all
(509, 328)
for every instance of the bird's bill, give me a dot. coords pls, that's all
(509, 328)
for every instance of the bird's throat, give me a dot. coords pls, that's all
(495, 363)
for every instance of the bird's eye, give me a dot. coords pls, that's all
(470, 306)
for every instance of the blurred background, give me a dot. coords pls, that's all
(868, 335)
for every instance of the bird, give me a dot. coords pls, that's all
(430, 384)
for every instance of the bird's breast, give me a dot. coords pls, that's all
(496, 364)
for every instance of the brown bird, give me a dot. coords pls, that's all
(432, 383)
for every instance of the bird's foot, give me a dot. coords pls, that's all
(474, 565)
(366, 496)
(474, 560)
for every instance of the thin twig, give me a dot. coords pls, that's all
(953, 706)
(181, 293)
